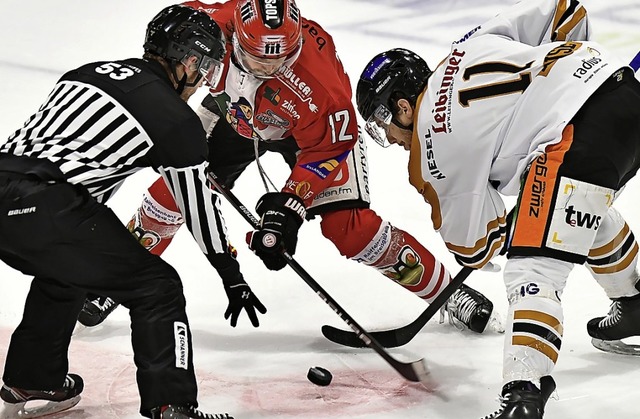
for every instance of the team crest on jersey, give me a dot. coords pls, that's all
(324, 167)
(240, 117)
(273, 119)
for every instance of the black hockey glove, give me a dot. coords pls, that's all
(281, 215)
(240, 295)
(242, 298)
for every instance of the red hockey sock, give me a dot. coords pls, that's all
(361, 234)
(157, 220)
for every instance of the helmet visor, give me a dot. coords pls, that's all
(262, 67)
(209, 68)
(377, 126)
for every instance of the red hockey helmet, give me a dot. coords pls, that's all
(267, 35)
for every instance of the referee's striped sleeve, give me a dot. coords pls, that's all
(200, 206)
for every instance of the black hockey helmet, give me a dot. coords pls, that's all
(391, 75)
(179, 32)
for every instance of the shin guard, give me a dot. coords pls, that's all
(360, 234)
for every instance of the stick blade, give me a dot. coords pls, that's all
(416, 371)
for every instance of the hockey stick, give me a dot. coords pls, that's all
(412, 371)
(400, 336)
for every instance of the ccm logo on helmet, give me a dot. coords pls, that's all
(203, 46)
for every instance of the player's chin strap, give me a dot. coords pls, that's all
(182, 83)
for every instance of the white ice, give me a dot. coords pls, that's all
(261, 373)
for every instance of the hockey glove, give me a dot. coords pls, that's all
(281, 215)
(242, 298)
(240, 295)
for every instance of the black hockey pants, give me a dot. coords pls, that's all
(74, 245)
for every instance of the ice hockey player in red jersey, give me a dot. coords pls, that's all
(524, 105)
(285, 90)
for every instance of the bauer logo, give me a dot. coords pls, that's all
(181, 337)
(21, 211)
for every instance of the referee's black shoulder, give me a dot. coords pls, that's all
(143, 88)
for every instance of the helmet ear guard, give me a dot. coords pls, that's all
(389, 76)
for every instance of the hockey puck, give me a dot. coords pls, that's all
(319, 376)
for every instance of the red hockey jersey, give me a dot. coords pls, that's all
(311, 101)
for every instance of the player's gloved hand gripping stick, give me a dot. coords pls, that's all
(412, 371)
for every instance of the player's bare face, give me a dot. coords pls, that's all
(262, 67)
(400, 136)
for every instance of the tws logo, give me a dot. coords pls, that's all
(577, 218)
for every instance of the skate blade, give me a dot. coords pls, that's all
(36, 408)
(616, 347)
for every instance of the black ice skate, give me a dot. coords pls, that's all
(95, 310)
(17, 402)
(469, 309)
(523, 400)
(184, 412)
(623, 321)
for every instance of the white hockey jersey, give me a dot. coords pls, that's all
(506, 90)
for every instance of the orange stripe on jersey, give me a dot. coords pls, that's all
(564, 30)
(415, 173)
(561, 8)
(492, 226)
(537, 194)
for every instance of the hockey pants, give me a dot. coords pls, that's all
(59, 233)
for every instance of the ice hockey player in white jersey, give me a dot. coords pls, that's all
(524, 105)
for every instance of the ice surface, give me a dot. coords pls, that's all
(261, 373)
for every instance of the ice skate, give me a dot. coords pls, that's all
(95, 310)
(523, 400)
(19, 403)
(623, 321)
(469, 309)
(184, 412)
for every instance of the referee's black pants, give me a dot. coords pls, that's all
(72, 245)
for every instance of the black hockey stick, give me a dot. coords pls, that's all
(401, 336)
(412, 371)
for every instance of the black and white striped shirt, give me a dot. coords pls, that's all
(107, 120)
